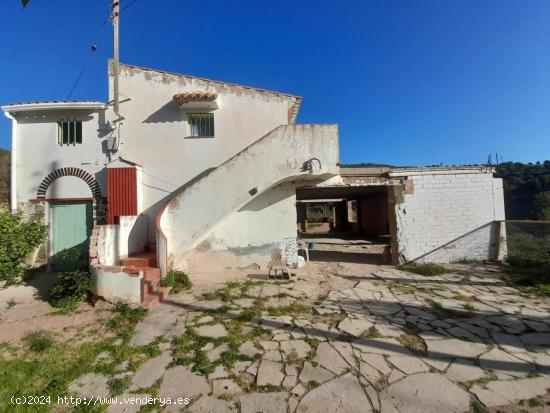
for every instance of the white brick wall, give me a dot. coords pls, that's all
(449, 217)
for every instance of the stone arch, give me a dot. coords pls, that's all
(70, 171)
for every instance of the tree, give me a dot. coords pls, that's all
(541, 205)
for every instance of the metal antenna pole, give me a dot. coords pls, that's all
(115, 19)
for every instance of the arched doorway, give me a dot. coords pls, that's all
(70, 219)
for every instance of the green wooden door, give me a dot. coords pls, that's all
(71, 226)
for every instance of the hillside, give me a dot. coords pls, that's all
(526, 189)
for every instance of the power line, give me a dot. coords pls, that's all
(93, 48)
(128, 5)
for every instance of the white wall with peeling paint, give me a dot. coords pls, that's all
(154, 133)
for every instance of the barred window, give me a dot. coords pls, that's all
(69, 132)
(201, 124)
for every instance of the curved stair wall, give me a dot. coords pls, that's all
(192, 213)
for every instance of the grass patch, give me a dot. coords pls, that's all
(462, 297)
(402, 288)
(46, 373)
(372, 332)
(249, 314)
(177, 280)
(38, 341)
(478, 407)
(529, 259)
(413, 343)
(423, 269)
(117, 385)
(126, 317)
(469, 310)
(232, 290)
(292, 309)
(188, 348)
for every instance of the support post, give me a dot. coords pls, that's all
(115, 16)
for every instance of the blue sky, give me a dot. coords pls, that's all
(418, 82)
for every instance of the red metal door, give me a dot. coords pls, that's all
(121, 193)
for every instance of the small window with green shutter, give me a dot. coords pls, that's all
(69, 132)
(201, 124)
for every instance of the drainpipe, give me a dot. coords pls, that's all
(13, 183)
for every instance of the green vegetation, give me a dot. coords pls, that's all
(71, 288)
(126, 317)
(38, 341)
(117, 385)
(372, 332)
(45, 373)
(423, 269)
(177, 280)
(292, 309)
(190, 348)
(529, 257)
(5, 165)
(413, 343)
(18, 238)
(526, 189)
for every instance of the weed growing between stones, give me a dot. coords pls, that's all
(423, 269)
(413, 343)
(177, 280)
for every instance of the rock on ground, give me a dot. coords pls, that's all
(424, 393)
(269, 373)
(207, 404)
(343, 394)
(182, 382)
(264, 402)
(90, 385)
(150, 372)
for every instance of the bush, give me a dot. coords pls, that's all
(17, 240)
(38, 341)
(423, 269)
(178, 280)
(529, 259)
(71, 288)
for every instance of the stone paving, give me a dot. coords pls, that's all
(347, 341)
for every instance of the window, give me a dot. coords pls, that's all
(69, 132)
(201, 124)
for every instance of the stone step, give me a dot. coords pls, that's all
(134, 262)
(151, 301)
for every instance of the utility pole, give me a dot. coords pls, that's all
(115, 16)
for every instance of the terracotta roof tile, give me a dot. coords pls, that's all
(186, 97)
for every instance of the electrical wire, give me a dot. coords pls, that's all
(122, 8)
(97, 38)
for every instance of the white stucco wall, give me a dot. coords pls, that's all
(118, 241)
(449, 217)
(194, 213)
(259, 226)
(115, 285)
(154, 131)
(38, 153)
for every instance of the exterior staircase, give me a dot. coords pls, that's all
(284, 154)
(146, 262)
